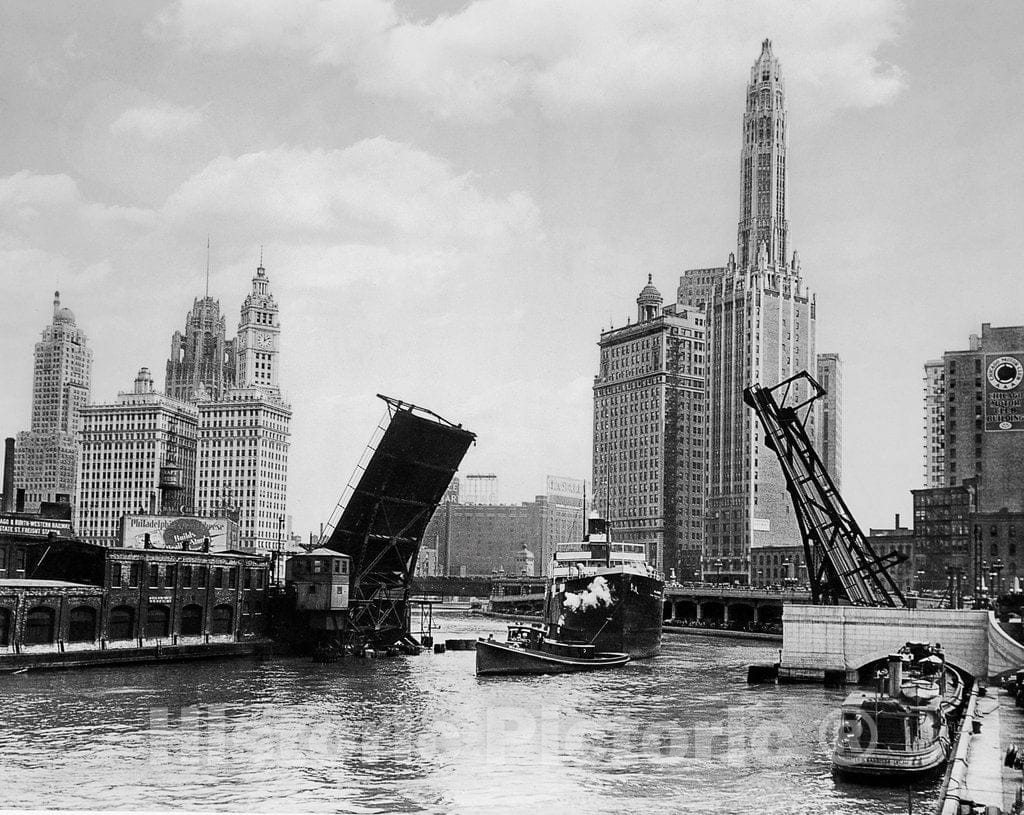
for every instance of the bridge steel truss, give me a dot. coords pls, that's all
(380, 520)
(841, 564)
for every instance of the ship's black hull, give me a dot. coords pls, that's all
(629, 623)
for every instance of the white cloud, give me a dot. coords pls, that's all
(568, 59)
(156, 122)
(52, 205)
(378, 206)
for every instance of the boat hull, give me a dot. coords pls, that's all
(497, 658)
(631, 623)
(885, 766)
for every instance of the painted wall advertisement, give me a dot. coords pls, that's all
(1004, 392)
(176, 532)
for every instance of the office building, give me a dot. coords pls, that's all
(202, 362)
(830, 416)
(481, 539)
(650, 433)
(138, 455)
(934, 424)
(46, 458)
(761, 329)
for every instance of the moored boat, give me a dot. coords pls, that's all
(529, 650)
(905, 729)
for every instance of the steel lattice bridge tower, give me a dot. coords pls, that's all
(841, 564)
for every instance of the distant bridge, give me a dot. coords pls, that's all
(728, 604)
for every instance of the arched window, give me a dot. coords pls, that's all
(82, 626)
(39, 626)
(158, 621)
(192, 620)
(122, 623)
(223, 620)
(5, 627)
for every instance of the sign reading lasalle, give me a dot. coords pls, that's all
(1004, 393)
(175, 532)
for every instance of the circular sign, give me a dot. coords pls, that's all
(1005, 373)
(181, 532)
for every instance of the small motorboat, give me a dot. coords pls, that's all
(529, 650)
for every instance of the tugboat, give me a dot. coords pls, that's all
(529, 650)
(605, 594)
(905, 730)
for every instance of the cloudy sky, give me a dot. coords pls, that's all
(454, 199)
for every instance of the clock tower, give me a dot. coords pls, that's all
(259, 335)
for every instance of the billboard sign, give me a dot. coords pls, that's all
(565, 487)
(14, 524)
(1004, 392)
(175, 532)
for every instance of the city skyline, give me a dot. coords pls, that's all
(462, 246)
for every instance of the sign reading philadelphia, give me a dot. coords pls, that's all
(1004, 396)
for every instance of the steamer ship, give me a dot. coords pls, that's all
(605, 594)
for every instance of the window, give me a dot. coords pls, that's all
(158, 621)
(135, 574)
(115, 575)
(5, 627)
(247, 576)
(192, 620)
(154, 576)
(82, 626)
(232, 577)
(223, 620)
(170, 575)
(218, 578)
(186, 577)
(39, 626)
(121, 625)
(259, 578)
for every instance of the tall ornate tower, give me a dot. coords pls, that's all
(761, 329)
(763, 164)
(202, 362)
(47, 454)
(259, 334)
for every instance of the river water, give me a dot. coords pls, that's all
(679, 733)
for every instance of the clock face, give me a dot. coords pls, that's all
(264, 340)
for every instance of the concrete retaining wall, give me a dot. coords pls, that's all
(817, 639)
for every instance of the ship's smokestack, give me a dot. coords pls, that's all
(895, 675)
(8, 504)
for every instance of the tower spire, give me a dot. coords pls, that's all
(763, 165)
(207, 266)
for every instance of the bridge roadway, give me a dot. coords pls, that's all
(683, 601)
(728, 604)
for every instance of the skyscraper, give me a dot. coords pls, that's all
(981, 405)
(761, 328)
(259, 337)
(138, 456)
(830, 377)
(934, 424)
(46, 457)
(650, 430)
(202, 362)
(244, 430)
